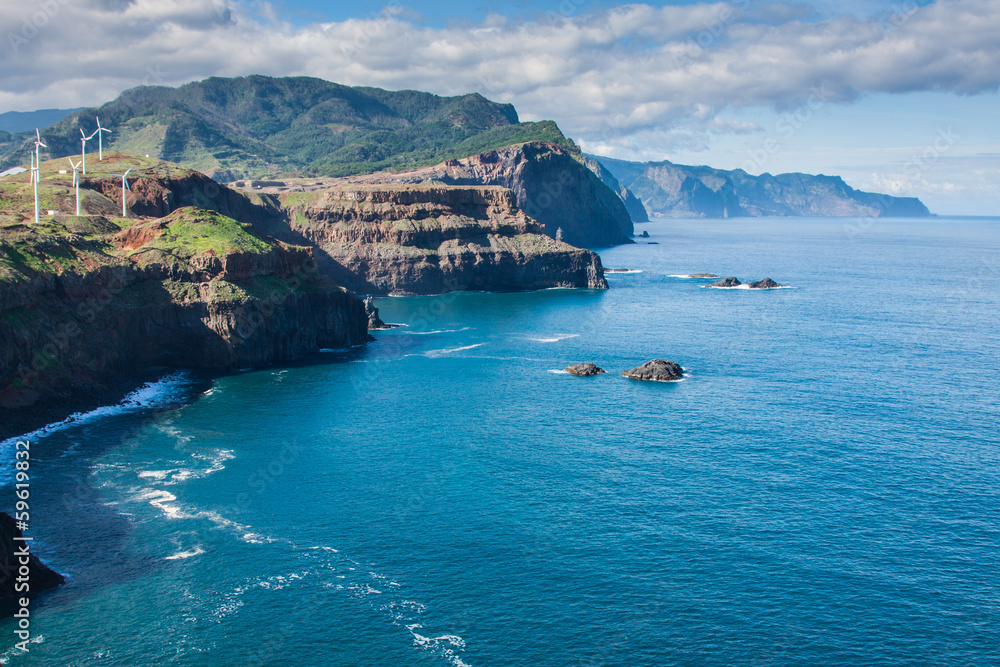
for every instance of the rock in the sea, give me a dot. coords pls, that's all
(766, 283)
(40, 576)
(726, 282)
(657, 370)
(375, 322)
(644, 235)
(703, 275)
(584, 370)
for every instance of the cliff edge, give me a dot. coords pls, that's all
(380, 239)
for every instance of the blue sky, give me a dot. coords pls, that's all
(893, 95)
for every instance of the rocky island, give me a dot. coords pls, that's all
(584, 370)
(731, 281)
(657, 370)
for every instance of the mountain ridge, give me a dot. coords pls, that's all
(668, 189)
(254, 126)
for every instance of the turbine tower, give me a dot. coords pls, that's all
(125, 188)
(76, 182)
(100, 145)
(83, 148)
(38, 168)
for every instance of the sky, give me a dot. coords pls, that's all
(897, 96)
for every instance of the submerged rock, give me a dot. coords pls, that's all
(766, 283)
(731, 281)
(657, 370)
(704, 275)
(41, 577)
(584, 370)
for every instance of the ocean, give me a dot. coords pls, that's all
(822, 487)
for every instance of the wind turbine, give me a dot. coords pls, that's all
(76, 182)
(83, 150)
(100, 146)
(125, 188)
(38, 168)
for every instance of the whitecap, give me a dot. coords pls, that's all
(555, 338)
(559, 371)
(13, 651)
(433, 354)
(445, 645)
(626, 272)
(166, 390)
(747, 287)
(181, 555)
(437, 331)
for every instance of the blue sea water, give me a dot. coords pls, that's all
(823, 487)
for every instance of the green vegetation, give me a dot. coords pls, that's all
(258, 126)
(192, 231)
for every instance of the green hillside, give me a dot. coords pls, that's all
(261, 126)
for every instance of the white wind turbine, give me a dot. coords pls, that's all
(38, 168)
(83, 148)
(100, 145)
(125, 188)
(76, 182)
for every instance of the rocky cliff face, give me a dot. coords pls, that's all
(84, 303)
(39, 578)
(550, 185)
(381, 239)
(634, 207)
(88, 302)
(673, 190)
(389, 239)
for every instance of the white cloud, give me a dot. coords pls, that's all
(607, 77)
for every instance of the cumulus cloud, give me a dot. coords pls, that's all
(606, 76)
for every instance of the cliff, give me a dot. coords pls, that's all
(671, 190)
(87, 301)
(39, 578)
(204, 276)
(383, 239)
(550, 184)
(634, 207)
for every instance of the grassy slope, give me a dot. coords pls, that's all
(66, 243)
(257, 126)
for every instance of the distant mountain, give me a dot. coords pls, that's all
(27, 121)
(258, 126)
(672, 190)
(632, 204)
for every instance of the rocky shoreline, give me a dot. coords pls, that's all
(217, 279)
